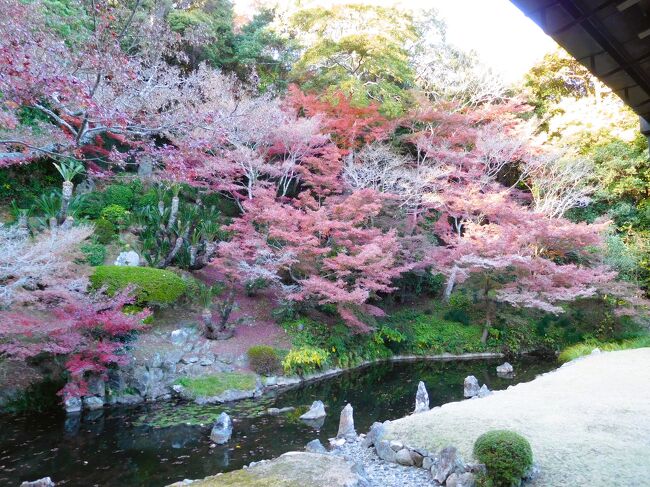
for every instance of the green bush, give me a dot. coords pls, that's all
(94, 253)
(152, 286)
(105, 231)
(264, 360)
(507, 456)
(305, 360)
(119, 194)
(345, 349)
(116, 214)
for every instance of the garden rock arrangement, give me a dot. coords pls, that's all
(445, 467)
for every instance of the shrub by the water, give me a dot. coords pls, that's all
(151, 286)
(304, 360)
(507, 456)
(582, 349)
(264, 360)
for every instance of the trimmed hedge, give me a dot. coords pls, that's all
(152, 286)
(507, 456)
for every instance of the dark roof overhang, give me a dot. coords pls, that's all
(611, 38)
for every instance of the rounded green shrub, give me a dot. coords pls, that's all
(105, 231)
(151, 286)
(264, 360)
(119, 194)
(116, 214)
(94, 253)
(507, 456)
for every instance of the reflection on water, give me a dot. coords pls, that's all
(154, 445)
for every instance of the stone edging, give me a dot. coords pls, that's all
(283, 382)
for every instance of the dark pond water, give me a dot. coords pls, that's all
(157, 444)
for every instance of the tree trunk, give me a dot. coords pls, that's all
(173, 213)
(172, 254)
(66, 196)
(450, 283)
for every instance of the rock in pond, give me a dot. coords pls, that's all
(346, 424)
(421, 399)
(505, 370)
(44, 482)
(470, 386)
(316, 411)
(294, 468)
(222, 429)
(72, 405)
(93, 402)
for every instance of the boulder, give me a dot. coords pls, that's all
(72, 405)
(448, 462)
(428, 462)
(403, 457)
(93, 402)
(417, 458)
(222, 429)
(44, 482)
(466, 479)
(421, 399)
(470, 386)
(384, 451)
(396, 445)
(179, 337)
(346, 424)
(316, 411)
(377, 431)
(293, 468)
(315, 446)
(484, 391)
(129, 258)
(337, 442)
(278, 411)
(505, 369)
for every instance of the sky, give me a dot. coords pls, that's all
(505, 39)
(499, 32)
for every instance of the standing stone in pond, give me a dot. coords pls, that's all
(316, 411)
(470, 386)
(222, 429)
(421, 399)
(505, 370)
(346, 424)
(44, 482)
(72, 405)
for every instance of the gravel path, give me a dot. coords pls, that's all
(381, 473)
(588, 422)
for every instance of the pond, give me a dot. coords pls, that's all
(157, 444)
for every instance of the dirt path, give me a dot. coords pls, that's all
(588, 422)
